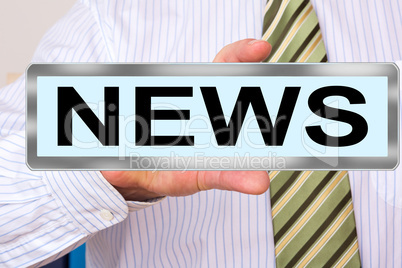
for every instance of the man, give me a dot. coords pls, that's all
(46, 214)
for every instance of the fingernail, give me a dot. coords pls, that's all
(252, 42)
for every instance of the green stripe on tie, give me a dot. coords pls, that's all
(312, 212)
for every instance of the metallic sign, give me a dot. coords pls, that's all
(213, 116)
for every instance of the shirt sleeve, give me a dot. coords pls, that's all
(45, 214)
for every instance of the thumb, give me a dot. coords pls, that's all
(246, 50)
(248, 182)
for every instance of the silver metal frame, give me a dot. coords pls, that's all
(389, 70)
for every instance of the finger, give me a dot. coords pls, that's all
(177, 183)
(247, 50)
(158, 183)
(247, 182)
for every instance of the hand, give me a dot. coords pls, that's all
(143, 185)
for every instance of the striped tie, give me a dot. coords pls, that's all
(312, 212)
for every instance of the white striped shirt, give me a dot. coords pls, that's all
(46, 214)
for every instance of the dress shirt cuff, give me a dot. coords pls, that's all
(87, 198)
(90, 200)
(137, 205)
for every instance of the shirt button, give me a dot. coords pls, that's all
(106, 215)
